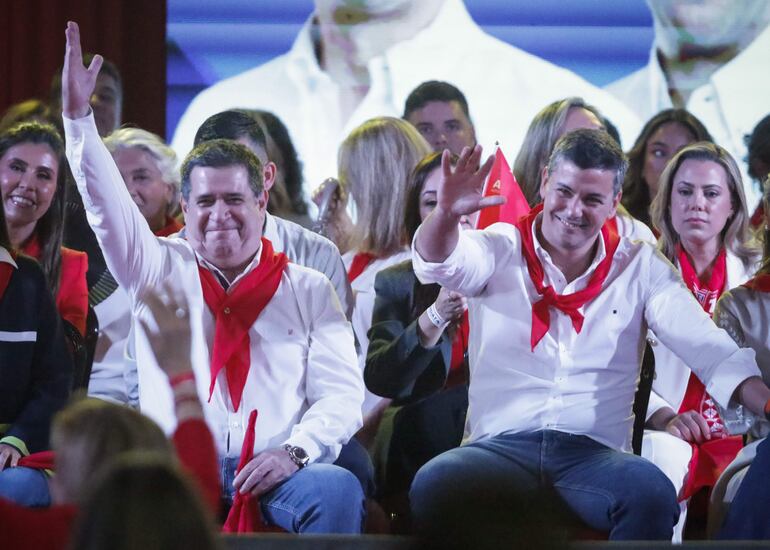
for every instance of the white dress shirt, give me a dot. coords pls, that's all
(577, 383)
(304, 380)
(505, 88)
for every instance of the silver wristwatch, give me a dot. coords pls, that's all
(298, 455)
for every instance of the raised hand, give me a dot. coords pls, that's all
(77, 81)
(460, 190)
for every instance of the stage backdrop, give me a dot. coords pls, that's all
(601, 40)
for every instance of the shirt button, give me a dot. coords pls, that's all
(226, 311)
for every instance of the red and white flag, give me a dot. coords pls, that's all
(501, 182)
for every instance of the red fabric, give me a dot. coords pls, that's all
(35, 528)
(567, 303)
(198, 455)
(710, 458)
(760, 283)
(235, 311)
(245, 515)
(43, 460)
(457, 373)
(502, 182)
(6, 270)
(359, 263)
(758, 217)
(72, 298)
(172, 226)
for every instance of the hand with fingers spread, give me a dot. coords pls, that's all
(9, 456)
(460, 190)
(78, 82)
(689, 426)
(264, 472)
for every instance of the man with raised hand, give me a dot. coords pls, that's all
(268, 335)
(559, 308)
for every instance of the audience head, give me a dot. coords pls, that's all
(281, 151)
(89, 434)
(580, 189)
(759, 150)
(421, 192)
(106, 101)
(374, 164)
(148, 167)
(546, 128)
(661, 138)
(31, 110)
(440, 112)
(141, 501)
(766, 229)
(700, 201)
(33, 180)
(223, 203)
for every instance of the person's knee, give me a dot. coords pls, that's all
(25, 486)
(653, 496)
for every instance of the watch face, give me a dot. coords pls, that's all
(299, 452)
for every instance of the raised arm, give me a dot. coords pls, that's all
(459, 193)
(133, 254)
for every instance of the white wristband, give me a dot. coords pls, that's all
(435, 317)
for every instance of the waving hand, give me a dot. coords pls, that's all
(77, 81)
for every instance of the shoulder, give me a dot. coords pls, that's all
(398, 275)
(302, 239)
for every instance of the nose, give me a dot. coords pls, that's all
(699, 200)
(574, 207)
(219, 210)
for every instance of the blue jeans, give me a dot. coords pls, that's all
(25, 486)
(749, 515)
(320, 498)
(608, 490)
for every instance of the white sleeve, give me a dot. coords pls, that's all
(334, 385)
(471, 264)
(132, 252)
(680, 323)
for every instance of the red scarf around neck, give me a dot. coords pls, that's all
(235, 312)
(760, 283)
(359, 264)
(711, 457)
(567, 303)
(6, 270)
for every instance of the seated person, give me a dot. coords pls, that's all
(418, 343)
(440, 113)
(560, 305)
(267, 334)
(660, 139)
(758, 160)
(700, 212)
(741, 497)
(35, 369)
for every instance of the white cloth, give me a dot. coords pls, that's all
(730, 104)
(305, 247)
(577, 383)
(505, 88)
(363, 297)
(671, 373)
(304, 379)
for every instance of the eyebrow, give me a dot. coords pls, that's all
(428, 191)
(26, 164)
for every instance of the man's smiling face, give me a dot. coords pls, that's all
(576, 203)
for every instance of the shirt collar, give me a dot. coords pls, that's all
(221, 276)
(5, 256)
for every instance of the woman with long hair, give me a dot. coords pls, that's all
(33, 180)
(662, 137)
(701, 215)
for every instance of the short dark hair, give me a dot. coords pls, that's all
(434, 90)
(219, 153)
(232, 124)
(758, 144)
(588, 149)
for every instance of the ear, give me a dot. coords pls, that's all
(543, 181)
(263, 199)
(269, 171)
(183, 204)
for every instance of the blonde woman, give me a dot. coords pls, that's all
(374, 164)
(700, 212)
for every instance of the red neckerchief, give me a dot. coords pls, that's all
(44, 460)
(172, 226)
(245, 515)
(456, 373)
(6, 270)
(358, 265)
(235, 312)
(567, 303)
(758, 217)
(711, 457)
(760, 283)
